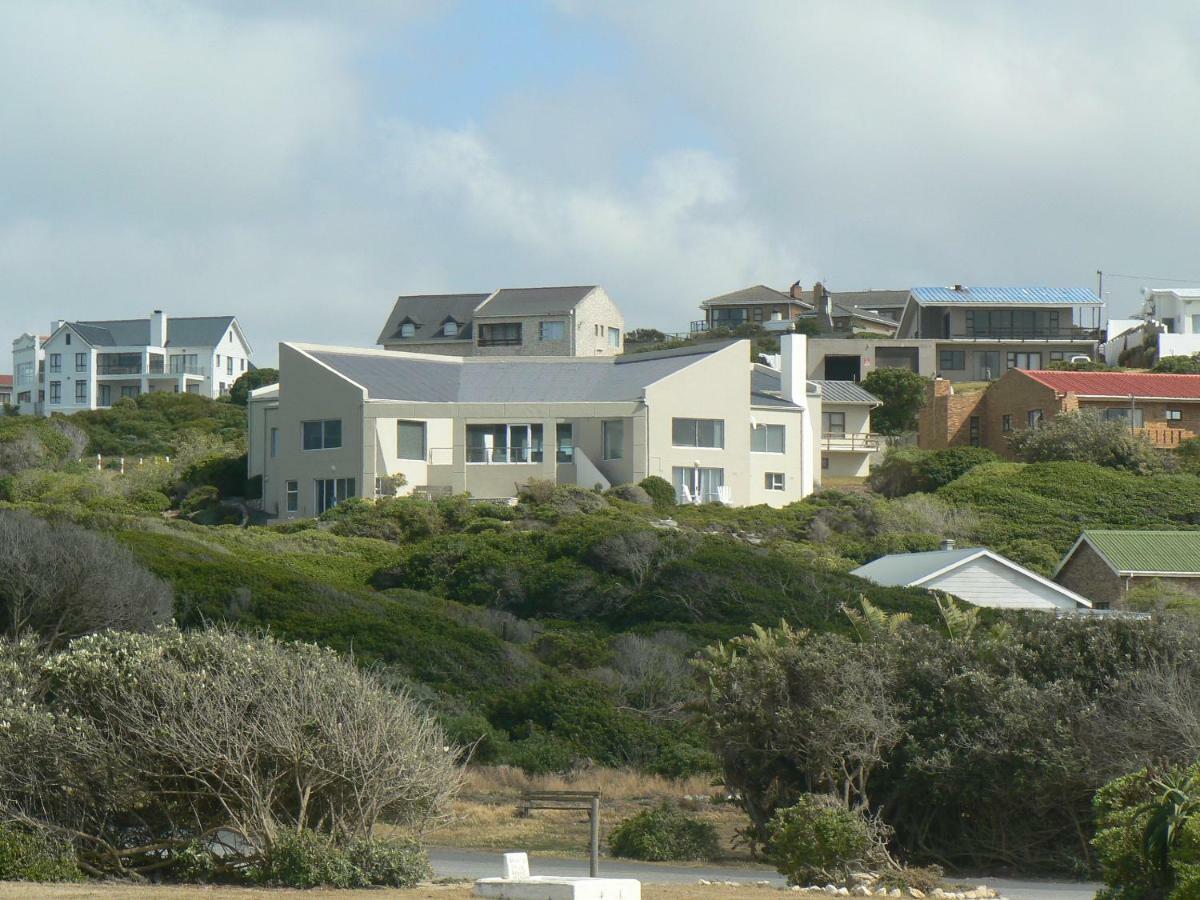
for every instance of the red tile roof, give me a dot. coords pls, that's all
(5, 381)
(1121, 384)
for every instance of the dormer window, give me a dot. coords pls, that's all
(408, 329)
(450, 329)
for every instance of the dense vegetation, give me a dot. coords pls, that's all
(564, 630)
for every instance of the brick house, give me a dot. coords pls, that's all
(1165, 408)
(1106, 565)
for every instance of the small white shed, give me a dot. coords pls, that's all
(975, 575)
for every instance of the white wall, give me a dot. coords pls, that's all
(985, 582)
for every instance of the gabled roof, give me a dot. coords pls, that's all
(539, 301)
(845, 392)
(1005, 296)
(1120, 384)
(919, 569)
(766, 388)
(758, 293)
(1175, 553)
(415, 377)
(184, 331)
(429, 312)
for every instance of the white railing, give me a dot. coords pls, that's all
(851, 441)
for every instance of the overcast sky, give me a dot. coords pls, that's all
(300, 164)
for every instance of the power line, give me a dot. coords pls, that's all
(1152, 278)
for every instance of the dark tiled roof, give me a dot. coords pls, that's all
(534, 301)
(185, 331)
(429, 312)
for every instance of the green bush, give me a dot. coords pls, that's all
(389, 864)
(902, 393)
(908, 470)
(662, 834)
(27, 855)
(151, 501)
(819, 840)
(630, 493)
(1083, 436)
(1179, 365)
(199, 500)
(660, 490)
(305, 860)
(225, 473)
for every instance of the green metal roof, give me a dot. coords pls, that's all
(1148, 551)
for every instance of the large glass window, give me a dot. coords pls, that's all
(552, 331)
(833, 423)
(502, 443)
(1133, 417)
(55, 362)
(698, 433)
(25, 373)
(81, 362)
(1033, 418)
(504, 334)
(564, 437)
(767, 438)
(952, 360)
(332, 491)
(613, 438)
(81, 392)
(322, 434)
(410, 440)
(697, 484)
(185, 363)
(56, 392)
(614, 338)
(1024, 360)
(130, 390)
(106, 395)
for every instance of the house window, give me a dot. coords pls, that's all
(564, 436)
(229, 365)
(1006, 423)
(129, 390)
(56, 392)
(505, 334)
(697, 484)
(25, 373)
(242, 364)
(502, 443)
(774, 481)
(332, 491)
(274, 441)
(218, 360)
(450, 328)
(67, 337)
(322, 434)
(81, 362)
(1174, 415)
(824, 461)
(953, 360)
(81, 392)
(612, 438)
(614, 338)
(973, 431)
(1132, 417)
(833, 423)
(410, 440)
(551, 331)
(188, 363)
(1168, 323)
(293, 495)
(698, 433)
(1024, 360)
(1057, 356)
(55, 363)
(106, 395)
(767, 438)
(1033, 418)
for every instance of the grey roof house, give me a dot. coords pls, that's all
(578, 320)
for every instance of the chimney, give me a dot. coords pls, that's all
(158, 329)
(824, 308)
(56, 324)
(793, 368)
(948, 544)
(959, 288)
(797, 291)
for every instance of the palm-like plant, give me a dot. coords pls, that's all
(1178, 801)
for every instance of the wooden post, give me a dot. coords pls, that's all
(594, 816)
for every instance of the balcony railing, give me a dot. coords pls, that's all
(851, 441)
(1163, 437)
(444, 456)
(187, 370)
(1072, 333)
(106, 369)
(500, 342)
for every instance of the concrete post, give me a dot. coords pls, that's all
(594, 861)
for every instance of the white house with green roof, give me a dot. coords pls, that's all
(1106, 565)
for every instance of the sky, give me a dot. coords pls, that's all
(301, 164)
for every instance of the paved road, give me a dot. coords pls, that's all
(449, 863)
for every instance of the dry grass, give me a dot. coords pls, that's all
(484, 817)
(17, 891)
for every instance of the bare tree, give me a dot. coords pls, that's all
(61, 581)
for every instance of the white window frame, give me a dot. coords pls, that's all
(766, 430)
(619, 426)
(552, 330)
(718, 432)
(291, 490)
(774, 481)
(400, 423)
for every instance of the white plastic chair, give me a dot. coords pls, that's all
(724, 494)
(687, 494)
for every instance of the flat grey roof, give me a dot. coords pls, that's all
(410, 377)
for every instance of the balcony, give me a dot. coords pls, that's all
(1070, 333)
(850, 442)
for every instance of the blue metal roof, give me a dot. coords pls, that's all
(1048, 295)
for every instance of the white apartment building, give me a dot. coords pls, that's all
(92, 365)
(346, 422)
(1168, 325)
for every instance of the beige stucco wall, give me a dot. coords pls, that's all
(596, 312)
(847, 463)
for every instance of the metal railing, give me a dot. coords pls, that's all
(1072, 333)
(852, 441)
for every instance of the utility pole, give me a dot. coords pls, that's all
(1099, 284)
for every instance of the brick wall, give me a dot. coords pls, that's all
(945, 420)
(1154, 417)
(1088, 574)
(1014, 396)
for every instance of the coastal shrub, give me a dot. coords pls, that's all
(309, 860)
(902, 394)
(819, 840)
(1083, 436)
(908, 470)
(660, 490)
(200, 500)
(630, 493)
(29, 855)
(663, 834)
